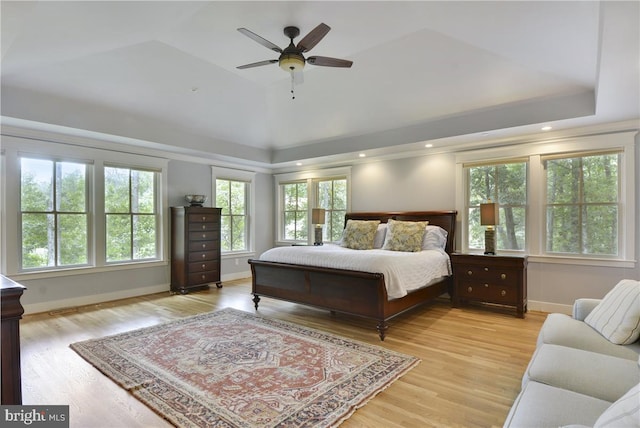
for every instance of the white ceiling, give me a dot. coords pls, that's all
(165, 72)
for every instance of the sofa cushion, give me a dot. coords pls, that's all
(598, 375)
(539, 405)
(617, 316)
(560, 329)
(625, 412)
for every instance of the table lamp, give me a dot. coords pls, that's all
(489, 217)
(317, 219)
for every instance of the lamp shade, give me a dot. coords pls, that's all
(489, 214)
(317, 216)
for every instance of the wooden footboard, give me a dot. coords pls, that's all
(351, 292)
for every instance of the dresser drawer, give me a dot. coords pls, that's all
(204, 245)
(203, 218)
(204, 277)
(200, 256)
(210, 235)
(204, 266)
(194, 227)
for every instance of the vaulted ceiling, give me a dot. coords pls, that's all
(164, 73)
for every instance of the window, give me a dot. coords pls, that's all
(131, 217)
(296, 210)
(332, 196)
(505, 183)
(233, 191)
(582, 204)
(54, 214)
(298, 193)
(231, 196)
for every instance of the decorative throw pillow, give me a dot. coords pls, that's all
(404, 235)
(359, 234)
(617, 316)
(625, 412)
(378, 239)
(435, 238)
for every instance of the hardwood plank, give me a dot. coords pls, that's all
(472, 363)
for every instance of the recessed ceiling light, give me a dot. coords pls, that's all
(194, 89)
(428, 146)
(362, 155)
(547, 128)
(298, 163)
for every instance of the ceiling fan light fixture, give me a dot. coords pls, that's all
(291, 62)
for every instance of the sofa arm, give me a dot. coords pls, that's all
(582, 308)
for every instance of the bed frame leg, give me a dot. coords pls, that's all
(382, 329)
(256, 300)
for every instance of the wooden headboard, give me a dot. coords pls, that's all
(444, 219)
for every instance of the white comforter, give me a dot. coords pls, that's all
(403, 272)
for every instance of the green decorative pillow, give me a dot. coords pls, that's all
(404, 235)
(359, 234)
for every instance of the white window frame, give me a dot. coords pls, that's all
(73, 147)
(224, 173)
(309, 177)
(536, 239)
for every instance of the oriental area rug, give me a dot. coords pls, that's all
(234, 369)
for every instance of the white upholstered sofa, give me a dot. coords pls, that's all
(586, 368)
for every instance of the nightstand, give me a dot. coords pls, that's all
(500, 280)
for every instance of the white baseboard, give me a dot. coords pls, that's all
(534, 305)
(237, 275)
(70, 304)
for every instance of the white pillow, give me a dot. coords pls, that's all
(378, 239)
(435, 238)
(617, 316)
(625, 412)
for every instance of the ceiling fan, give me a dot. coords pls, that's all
(291, 58)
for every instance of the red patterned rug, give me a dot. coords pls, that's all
(234, 369)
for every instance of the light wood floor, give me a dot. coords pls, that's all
(473, 358)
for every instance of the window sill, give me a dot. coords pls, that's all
(85, 270)
(237, 255)
(584, 261)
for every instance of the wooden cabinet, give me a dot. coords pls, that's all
(11, 313)
(500, 280)
(195, 248)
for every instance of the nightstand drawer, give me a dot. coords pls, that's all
(489, 273)
(486, 292)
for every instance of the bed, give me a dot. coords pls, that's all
(353, 292)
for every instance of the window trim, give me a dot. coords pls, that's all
(309, 177)
(535, 151)
(224, 173)
(15, 146)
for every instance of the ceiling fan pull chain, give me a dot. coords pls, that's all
(293, 95)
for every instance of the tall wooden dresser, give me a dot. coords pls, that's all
(195, 248)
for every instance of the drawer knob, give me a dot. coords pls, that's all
(469, 272)
(503, 276)
(204, 266)
(204, 255)
(470, 289)
(204, 218)
(503, 293)
(204, 245)
(486, 286)
(486, 269)
(204, 227)
(203, 276)
(204, 235)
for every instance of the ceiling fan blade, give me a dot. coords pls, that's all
(264, 42)
(312, 39)
(324, 61)
(257, 64)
